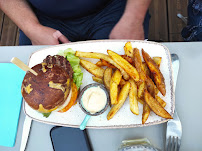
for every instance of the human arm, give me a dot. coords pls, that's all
(23, 16)
(130, 25)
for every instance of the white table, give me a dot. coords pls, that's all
(188, 106)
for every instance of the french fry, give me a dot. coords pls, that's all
(150, 86)
(148, 79)
(157, 60)
(156, 90)
(146, 69)
(107, 77)
(138, 64)
(155, 106)
(105, 63)
(145, 113)
(102, 56)
(113, 93)
(140, 100)
(99, 63)
(128, 49)
(124, 64)
(121, 99)
(96, 79)
(115, 80)
(141, 89)
(122, 82)
(133, 97)
(158, 77)
(161, 101)
(128, 58)
(92, 68)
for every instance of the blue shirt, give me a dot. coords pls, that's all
(68, 8)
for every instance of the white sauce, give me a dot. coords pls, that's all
(94, 99)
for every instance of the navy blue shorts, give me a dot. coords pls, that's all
(92, 27)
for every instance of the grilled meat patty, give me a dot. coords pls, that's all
(60, 61)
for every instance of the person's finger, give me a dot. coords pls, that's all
(63, 39)
(59, 36)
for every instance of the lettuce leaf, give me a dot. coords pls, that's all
(69, 54)
(46, 114)
(64, 53)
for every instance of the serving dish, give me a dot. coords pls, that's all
(124, 118)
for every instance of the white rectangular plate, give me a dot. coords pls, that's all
(124, 118)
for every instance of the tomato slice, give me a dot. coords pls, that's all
(72, 100)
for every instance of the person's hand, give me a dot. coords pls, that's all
(127, 29)
(43, 35)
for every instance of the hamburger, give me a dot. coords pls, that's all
(51, 89)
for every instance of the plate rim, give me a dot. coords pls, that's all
(163, 120)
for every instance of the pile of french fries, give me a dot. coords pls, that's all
(127, 75)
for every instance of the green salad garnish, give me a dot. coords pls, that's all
(46, 114)
(69, 54)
